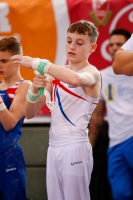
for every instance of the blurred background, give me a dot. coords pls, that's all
(40, 26)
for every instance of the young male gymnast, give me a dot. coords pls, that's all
(13, 90)
(75, 90)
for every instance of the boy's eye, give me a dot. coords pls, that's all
(69, 41)
(79, 43)
(4, 60)
(115, 44)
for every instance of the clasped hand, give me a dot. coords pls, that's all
(39, 81)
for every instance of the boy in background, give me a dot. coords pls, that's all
(13, 89)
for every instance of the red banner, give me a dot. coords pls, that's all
(106, 15)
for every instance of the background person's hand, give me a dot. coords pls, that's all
(22, 60)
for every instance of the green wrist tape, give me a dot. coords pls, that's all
(33, 98)
(41, 67)
(41, 91)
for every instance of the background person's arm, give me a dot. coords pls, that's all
(123, 60)
(96, 122)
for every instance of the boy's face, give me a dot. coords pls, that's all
(7, 69)
(78, 47)
(115, 43)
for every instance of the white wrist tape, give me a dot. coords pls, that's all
(41, 65)
(35, 63)
(47, 67)
(2, 105)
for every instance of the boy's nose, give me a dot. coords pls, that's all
(72, 46)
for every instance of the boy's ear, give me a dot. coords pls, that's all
(93, 47)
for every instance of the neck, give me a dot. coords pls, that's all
(77, 66)
(7, 82)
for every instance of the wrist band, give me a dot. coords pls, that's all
(44, 66)
(41, 65)
(2, 105)
(35, 63)
(32, 97)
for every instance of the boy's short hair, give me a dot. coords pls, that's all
(11, 44)
(84, 27)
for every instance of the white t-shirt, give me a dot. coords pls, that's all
(129, 44)
(117, 92)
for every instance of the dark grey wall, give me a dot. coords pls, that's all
(34, 142)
